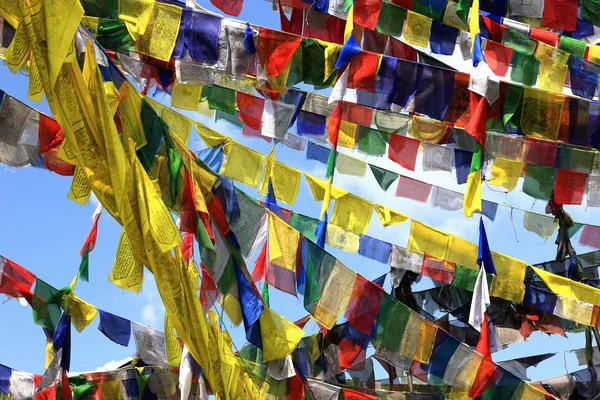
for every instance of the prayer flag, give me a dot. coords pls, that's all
(472, 201)
(115, 328)
(89, 244)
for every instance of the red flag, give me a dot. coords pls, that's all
(364, 305)
(294, 24)
(497, 56)
(353, 395)
(189, 219)
(50, 134)
(208, 290)
(217, 212)
(259, 271)
(403, 150)
(350, 354)
(334, 123)
(485, 377)
(363, 70)
(544, 35)
(569, 186)
(477, 123)
(560, 14)
(251, 109)
(229, 7)
(332, 31)
(495, 29)
(275, 49)
(16, 281)
(398, 49)
(187, 246)
(295, 388)
(90, 241)
(366, 13)
(302, 321)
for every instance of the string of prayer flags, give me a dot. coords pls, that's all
(89, 244)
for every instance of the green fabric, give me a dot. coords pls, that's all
(175, 164)
(305, 225)
(425, 8)
(539, 181)
(142, 381)
(391, 19)
(265, 294)
(319, 265)
(590, 11)
(494, 125)
(511, 108)
(84, 272)
(220, 98)
(464, 278)
(574, 229)
(296, 74)
(477, 158)
(573, 46)
(331, 163)
(384, 177)
(82, 389)
(207, 250)
(576, 158)
(524, 68)
(154, 130)
(462, 10)
(101, 8)
(255, 362)
(519, 42)
(372, 141)
(313, 62)
(231, 118)
(391, 323)
(114, 35)
(228, 277)
(46, 305)
(347, 5)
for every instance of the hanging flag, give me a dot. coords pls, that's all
(472, 200)
(229, 7)
(88, 246)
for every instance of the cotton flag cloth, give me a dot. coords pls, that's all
(90, 243)
(472, 200)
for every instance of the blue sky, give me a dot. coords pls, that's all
(43, 231)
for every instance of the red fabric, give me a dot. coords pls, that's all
(229, 7)
(485, 377)
(560, 14)
(294, 24)
(90, 241)
(65, 388)
(526, 328)
(419, 370)
(353, 395)
(476, 125)
(255, 133)
(595, 316)
(541, 152)
(569, 186)
(459, 112)
(187, 246)
(251, 109)
(495, 110)
(50, 134)
(333, 31)
(590, 236)
(374, 41)
(334, 123)
(295, 388)
(258, 273)
(189, 217)
(55, 164)
(403, 150)
(275, 49)
(438, 269)
(413, 189)
(408, 5)
(16, 281)
(543, 35)
(357, 114)
(398, 49)
(366, 13)
(302, 321)
(217, 212)
(295, 4)
(483, 344)
(497, 56)
(350, 354)
(551, 324)
(495, 29)
(281, 278)
(363, 69)
(208, 290)
(364, 304)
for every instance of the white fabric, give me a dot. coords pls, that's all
(261, 236)
(323, 391)
(336, 8)
(281, 369)
(2, 262)
(97, 212)
(350, 166)
(276, 119)
(518, 369)
(481, 300)
(527, 8)
(516, 25)
(185, 374)
(21, 385)
(150, 344)
(339, 89)
(294, 142)
(485, 83)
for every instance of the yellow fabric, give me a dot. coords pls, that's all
(466, 375)
(243, 164)
(568, 288)
(542, 225)
(352, 213)
(336, 295)
(177, 123)
(326, 197)
(425, 239)
(342, 239)
(553, 67)
(507, 289)
(474, 21)
(213, 138)
(154, 104)
(91, 23)
(111, 390)
(594, 53)
(172, 344)
(506, 173)
(388, 216)
(427, 333)
(319, 186)
(332, 51)
(283, 243)
(82, 313)
(472, 200)
(279, 82)
(409, 343)
(285, 180)
(417, 29)
(349, 23)
(130, 110)
(347, 135)
(232, 308)
(127, 273)
(462, 252)
(426, 129)
(542, 113)
(136, 15)
(49, 352)
(525, 391)
(186, 97)
(574, 310)
(280, 336)
(509, 267)
(159, 38)
(80, 190)
(10, 12)
(452, 19)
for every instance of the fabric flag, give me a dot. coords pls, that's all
(229, 7)
(252, 307)
(472, 201)
(88, 246)
(366, 13)
(5, 374)
(383, 177)
(115, 328)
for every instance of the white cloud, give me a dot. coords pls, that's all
(113, 364)
(149, 315)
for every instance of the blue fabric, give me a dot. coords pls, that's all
(249, 40)
(380, 281)
(316, 152)
(542, 299)
(270, 200)
(493, 17)
(115, 328)
(584, 77)
(349, 332)
(477, 51)
(213, 157)
(484, 255)
(489, 209)
(385, 82)
(582, 30)
(375, 249)
(62, 339)
(435, 90)
(376, 101)
(483, 30)
(442, 38)
(462, 164)
(229, 201)
(198, 34)
(115, 75)
(444, 347)
(408, 77)
(573, 270)
(321, 231)
(496, 7)
(297, 98)
(252, 307)
(1, 96)
(349, 50)
(5, 374)
(505, 387)
(310, 123)
(321, 6)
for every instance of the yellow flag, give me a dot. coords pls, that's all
(177, 123)
(594, 53)
(130, 110)
(136, 15)
(172, 344)
(388, 216)
(243, 164)
(232, 308)
(160, 36)
(127, 273)
(352, 213)
(417, 29)
(319, 186)
(281, 336)
(347, 135)
(82, 313)
(49, 352)
(506, 173)
(472, 200)
(349, 23)
(283, 243)
(186, 97)
(80, 189)
(285, 180)
(565, 287)
(426, 239)
(474, 21)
